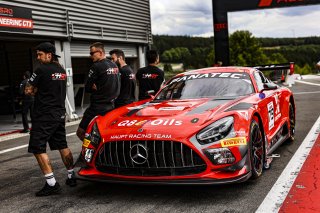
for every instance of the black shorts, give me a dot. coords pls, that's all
(53, 132)
(93, 111)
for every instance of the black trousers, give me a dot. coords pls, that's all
(27, 106)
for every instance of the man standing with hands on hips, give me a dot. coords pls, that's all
(104, 85)
(48, 84)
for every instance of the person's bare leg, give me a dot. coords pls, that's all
(67, 158)
(52, 186)
(44, 163)
(80, 133)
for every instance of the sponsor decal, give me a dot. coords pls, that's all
(86, 143)
(277, 117)
(210, 75)
(171, 108)
(58, 76)
(271, 115)
(233, 142)
(277, 103)
(132, 123)
(166, 122)
(158, 122)
(241, 133)
(141, 136)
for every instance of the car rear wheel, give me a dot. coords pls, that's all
(256, 150)
(292, 120)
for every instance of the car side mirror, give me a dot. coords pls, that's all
(268, 86)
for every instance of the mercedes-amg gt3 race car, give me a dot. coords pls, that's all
(214, 125)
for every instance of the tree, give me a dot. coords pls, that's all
(245, 50)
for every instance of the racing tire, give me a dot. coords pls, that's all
(292, 122)
(256, 150)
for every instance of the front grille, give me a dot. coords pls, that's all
(163, 158)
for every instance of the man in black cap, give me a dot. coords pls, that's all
(48, 84)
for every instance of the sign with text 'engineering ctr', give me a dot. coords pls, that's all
(15, 19)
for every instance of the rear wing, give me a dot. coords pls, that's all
(277, 72)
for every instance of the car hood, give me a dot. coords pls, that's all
(181, 118)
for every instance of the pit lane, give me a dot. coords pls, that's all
(21, 177)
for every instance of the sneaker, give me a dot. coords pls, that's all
(71, 181)
(49, 190)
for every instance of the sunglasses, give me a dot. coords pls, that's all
(92, 53)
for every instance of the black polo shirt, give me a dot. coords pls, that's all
(105, 75)
(50, 81)
(149, 78)
(128, 85)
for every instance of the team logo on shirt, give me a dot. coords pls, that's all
(132, 76)
(58, 76)
(150, 76)
(112, 71)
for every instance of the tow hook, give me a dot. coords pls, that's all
(269, 159)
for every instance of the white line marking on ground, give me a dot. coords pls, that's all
(281, 188)
(23, 146)
(299, 93)
(19, 135)
(14, 148)
(304, 82)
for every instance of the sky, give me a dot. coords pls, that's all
(194, 18)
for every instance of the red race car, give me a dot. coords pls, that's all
(214, 125)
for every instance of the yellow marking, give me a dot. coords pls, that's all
(233, 142)
(86, 143)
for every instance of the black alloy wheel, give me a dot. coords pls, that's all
(292, 120)
(256, 150)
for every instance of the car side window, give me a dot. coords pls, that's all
(260, 79)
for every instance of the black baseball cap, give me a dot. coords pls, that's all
(47, 47)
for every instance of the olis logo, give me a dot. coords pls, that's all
(158, 122)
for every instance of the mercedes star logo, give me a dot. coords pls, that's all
(138, 154)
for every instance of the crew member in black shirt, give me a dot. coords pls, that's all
(104, 85)
(48, 84)
(150, 77)
(27, 102)
(128, 81)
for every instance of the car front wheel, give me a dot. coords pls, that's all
(256, 150)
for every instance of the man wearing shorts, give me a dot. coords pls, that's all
(48, 84)
(103, 83)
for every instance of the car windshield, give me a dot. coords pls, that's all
(207, 85)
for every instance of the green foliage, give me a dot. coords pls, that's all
(167, 68)
(245, 50)
(306, 69)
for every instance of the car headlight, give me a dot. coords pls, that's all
(95, 135)
(216, 131)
